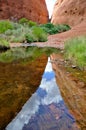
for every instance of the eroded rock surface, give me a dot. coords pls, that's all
(71, 12)
(35, 10)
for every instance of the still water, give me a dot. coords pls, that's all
(45, 110)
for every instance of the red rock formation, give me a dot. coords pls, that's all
(71, 12)
(35, 10)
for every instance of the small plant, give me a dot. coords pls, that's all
(40, 34)
(75, 51)
(5, 25)
(31, 23)
(30, 38)
(4, 43)
(23, 21)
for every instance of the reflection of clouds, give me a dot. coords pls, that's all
(51, 95)
(29, 109)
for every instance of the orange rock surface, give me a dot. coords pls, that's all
(34, 10)
(71, 12)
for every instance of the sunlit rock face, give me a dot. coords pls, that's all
(71, 12)
(34, 10)
(72, 91)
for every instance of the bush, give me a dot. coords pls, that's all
(23, 21)
(62, 28)
(53, 29)
(31, 23)
(75, 51)
(17, 35)
(5, 25)
(37, 35)
(40, 34)
(4, 43)
(30, 38)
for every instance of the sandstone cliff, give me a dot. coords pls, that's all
(71, 12)
(35, 10)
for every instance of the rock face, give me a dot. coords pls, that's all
(71, 12)
(35, 10)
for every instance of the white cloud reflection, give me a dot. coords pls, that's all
(32, 105)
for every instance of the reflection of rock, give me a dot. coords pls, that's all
(51, 117)
(34, 10)
(74, 96)
(18, 81)
(71, 12)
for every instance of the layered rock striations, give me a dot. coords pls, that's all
(34, 10)
(71, 12)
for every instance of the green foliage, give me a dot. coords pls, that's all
(4, 43)
(40, 34)
(23, 21)
(28, 31)
(5, 25)
(17, 35)
(30, 38)
(62, 28)
(31, 23)
(75, 51)
(36, 35)
(53, 29)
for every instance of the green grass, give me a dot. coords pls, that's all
(75, 51)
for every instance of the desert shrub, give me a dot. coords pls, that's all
(36, 35)
(75, 51)
(30, 38)
(62, 27)
(4, 43)
(17, 35)
(23, 21)
(5, 25)
(40, 34)
(31, 23)
(53, 29)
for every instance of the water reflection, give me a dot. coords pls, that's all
(45, 110)
(17, 85)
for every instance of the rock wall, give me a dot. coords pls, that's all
(71, 12)
(35, 10)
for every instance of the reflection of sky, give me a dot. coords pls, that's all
(46, 94)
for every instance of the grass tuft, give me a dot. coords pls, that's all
(75, 51)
